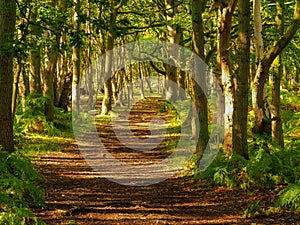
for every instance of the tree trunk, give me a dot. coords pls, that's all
(35, 64)
(128, 83)
(7, 28)
(260, 99)
(49, 74)
(226, 76)
(182, 74)
(198, 95)
(148, 78)
(107, 100)
(23, 87)
(171, 71)
(277, 133)
(259, 46)
(66, 92)
(91, 103)
(120, 84)
(114, 86)
(76, 62)
(240, 112)
(141, 75)
(15, 89)
(49, 83)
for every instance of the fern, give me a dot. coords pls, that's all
(223, 177)
(290, 196)
(32, 118)
(19, 190)
(253, 210)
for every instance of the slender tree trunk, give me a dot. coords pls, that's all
(114, 86)
(142, 91)
(23, 89)
(7, 28)
(35, 64)
(240, 112)
(130, 97)
(259, 97)
(66, 92)
(76, 62)
(91, 103)
(50, 73)
(49, 83)
(148, 74)
(259, 46)
(120, 84)
(226, 76)
(107, 100)
(171, 71)
(198, 94)
(61, 76)
(277, 133)
(181, 75)
(15, 89)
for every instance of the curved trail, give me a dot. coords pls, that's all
(75, 194)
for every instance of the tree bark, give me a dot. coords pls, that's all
(182, 74)
(240, 112)
(15, 89)
(198, 94)
(49, 83)
(35, 63)
(276, 126)
(141, 76)
(49, 74)
(107, 100)
(76, 62)
(91, 103)
(260, 99)
(7, 28)
(66, 92)
(171, 71)
(226, 10)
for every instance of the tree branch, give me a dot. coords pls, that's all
(157, 69)
(280, 45)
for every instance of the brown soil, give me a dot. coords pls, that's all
(75, 194)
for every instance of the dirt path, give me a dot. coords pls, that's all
(75, 194)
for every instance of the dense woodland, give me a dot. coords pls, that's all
(251, 47)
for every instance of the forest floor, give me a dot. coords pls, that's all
(76, 194)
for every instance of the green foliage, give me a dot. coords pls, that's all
(72, 222)
(224, 170)
(166, 108)
(62, 120)
(268, 166)
(19, 190)
(290, 196)
(253, 210)
(32, 119)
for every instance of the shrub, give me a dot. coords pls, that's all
(19, 190)
(32, 118)
(268, 166)
(290, 196)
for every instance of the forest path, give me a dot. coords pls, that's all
(76, 194)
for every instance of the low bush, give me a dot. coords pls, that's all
(290, 197)
(19, 190)
(31, 118)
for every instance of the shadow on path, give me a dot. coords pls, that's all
(75, 194)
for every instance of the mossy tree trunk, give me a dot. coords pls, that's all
(7, 28)
(198, 94)
(240, 112)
